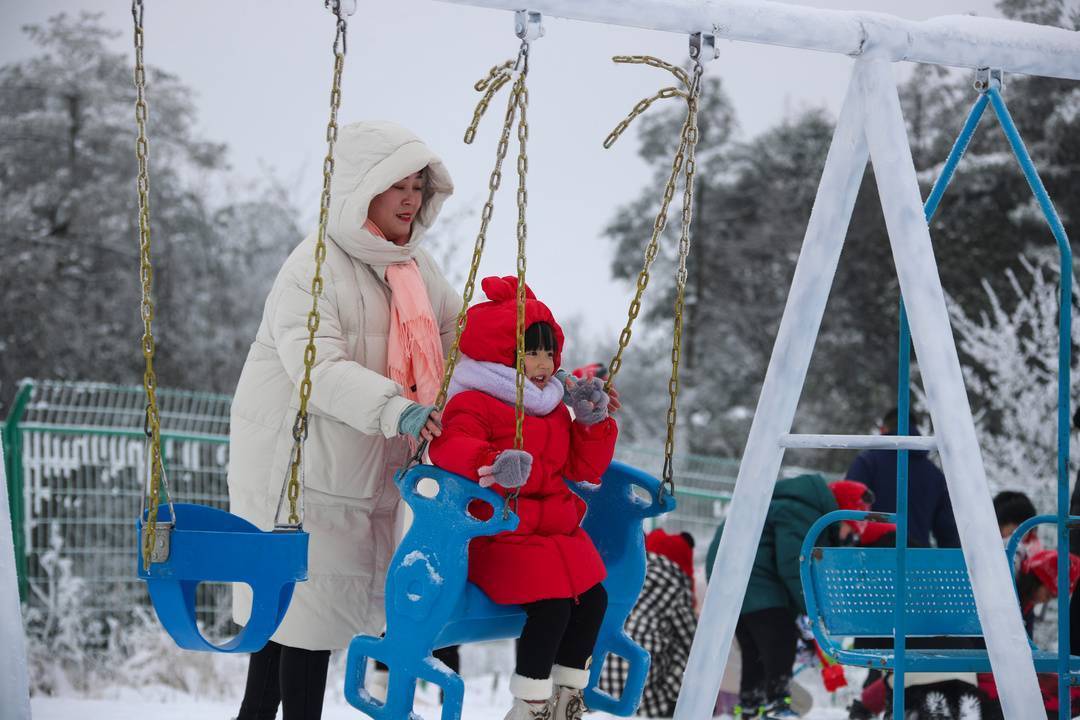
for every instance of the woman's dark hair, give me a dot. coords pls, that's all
(1013, 507)
(540, 336)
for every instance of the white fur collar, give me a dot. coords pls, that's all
(499, 381)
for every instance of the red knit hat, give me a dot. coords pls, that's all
(852, 495)
(491, 329)
(1043, 564)
(675, 548)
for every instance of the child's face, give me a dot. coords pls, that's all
(539, 366)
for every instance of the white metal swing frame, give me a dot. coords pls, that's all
(870, 126)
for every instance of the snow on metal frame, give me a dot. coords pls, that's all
(958, 41)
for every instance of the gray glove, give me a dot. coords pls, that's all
(589, 401)
(413, 419)
(510, 469)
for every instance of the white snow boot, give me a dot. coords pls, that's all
(529, 710)
(568, 700)
(532, 698)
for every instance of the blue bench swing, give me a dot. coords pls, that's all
(182, 545)
(911, 592)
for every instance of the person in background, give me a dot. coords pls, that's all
(548, 565)
(387, 317)
(1012, 508)
(1036, 583)
(766, 628)
(663, 622)
(929, 509)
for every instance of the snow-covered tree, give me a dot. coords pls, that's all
(68, 232)
(1011, 366)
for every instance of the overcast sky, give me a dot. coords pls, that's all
(261, 72)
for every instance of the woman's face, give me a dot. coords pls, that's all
(395, 208)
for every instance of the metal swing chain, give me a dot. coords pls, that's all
(496, 78)
(300, 425)
(660, 222)
(682, 162)
(521, 97)
(690, 137)
(152, 423)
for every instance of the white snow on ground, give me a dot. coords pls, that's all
(486, 698)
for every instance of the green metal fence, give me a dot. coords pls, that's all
(74, 454)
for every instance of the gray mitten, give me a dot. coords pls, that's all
(510, 469)
(589, 401)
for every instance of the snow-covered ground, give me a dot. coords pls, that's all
(486, 698)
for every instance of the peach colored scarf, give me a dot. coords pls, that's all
(414, 357)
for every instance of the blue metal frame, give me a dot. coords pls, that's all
(991, 95)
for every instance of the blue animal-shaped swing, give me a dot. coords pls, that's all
(430, 603)
(183, 545)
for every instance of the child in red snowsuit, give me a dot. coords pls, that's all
(548, 565)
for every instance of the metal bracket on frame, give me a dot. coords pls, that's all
(703, 47)
(986, 78)
(528, 25)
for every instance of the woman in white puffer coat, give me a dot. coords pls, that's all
(387, 190)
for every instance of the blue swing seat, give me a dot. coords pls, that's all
(211, 545)
(430, 603)
(851, 592)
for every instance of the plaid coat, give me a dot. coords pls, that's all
(662, 622)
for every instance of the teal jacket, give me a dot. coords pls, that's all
(774, 580)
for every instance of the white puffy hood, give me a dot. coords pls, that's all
(369, 158)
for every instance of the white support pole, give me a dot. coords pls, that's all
(14, 678)
(958, 41)
(939, 366)
(859, 442)
(760, 466)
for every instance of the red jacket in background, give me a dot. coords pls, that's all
(548, 555)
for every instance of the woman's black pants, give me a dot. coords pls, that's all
(291, 677)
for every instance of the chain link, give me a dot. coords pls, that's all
(660, 221)
(690, 138)
(521, 96)
(684, 163)
(496, 78)
(300, 425)
(152, 422)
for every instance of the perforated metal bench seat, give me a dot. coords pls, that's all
(851, 592)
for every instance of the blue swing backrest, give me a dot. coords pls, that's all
(430, 604)
(211, 545)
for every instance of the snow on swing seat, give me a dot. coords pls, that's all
(430, 603)
(211, 545)
(851, 592)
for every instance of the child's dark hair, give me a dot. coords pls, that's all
(1026, 585)
(1013, 507)
(540, 336)
(891, 421)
